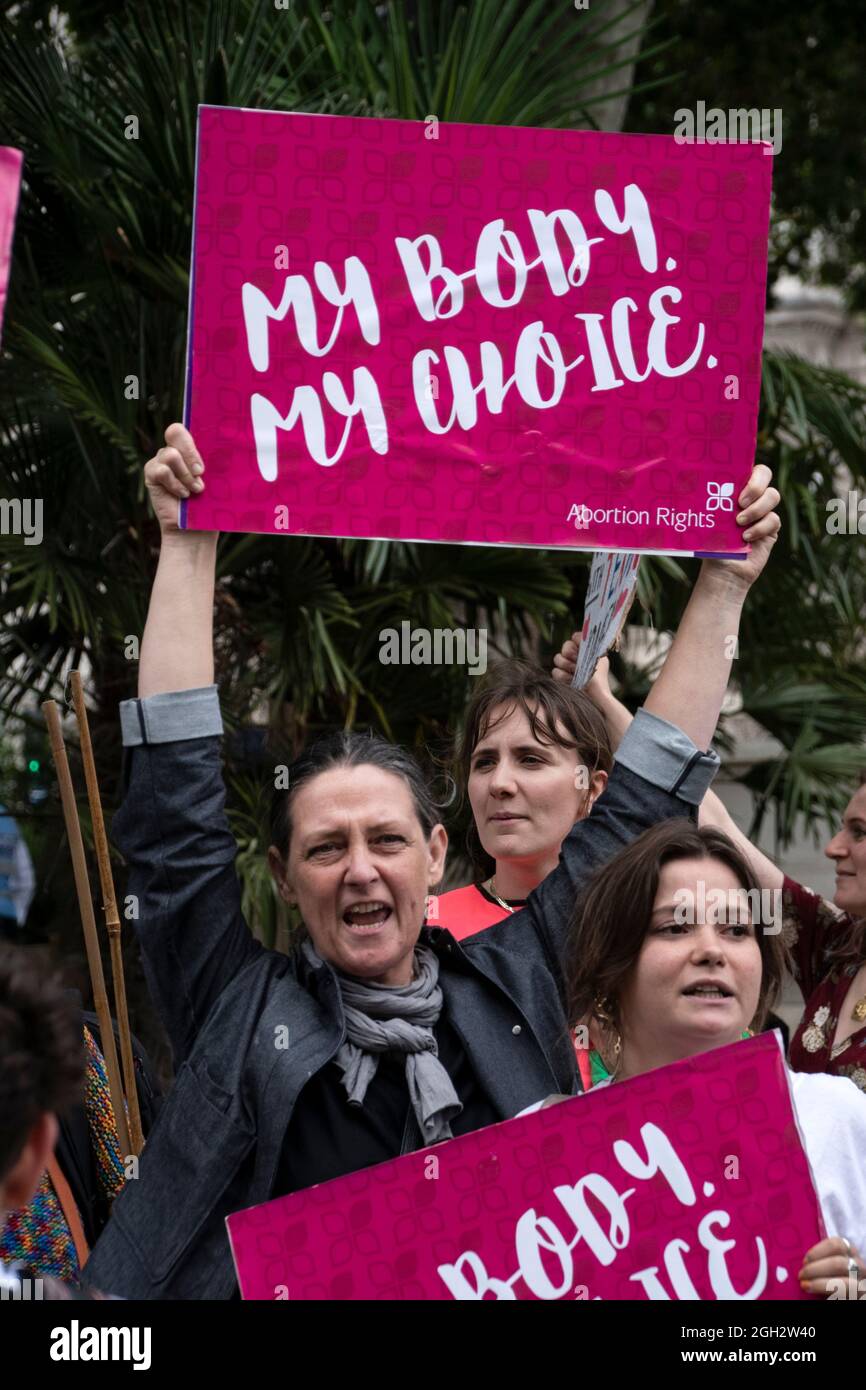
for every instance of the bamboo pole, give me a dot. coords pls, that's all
(88, 922)
(112, 919)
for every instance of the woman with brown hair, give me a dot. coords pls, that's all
(827, 940)
(533, 757)
(666, 962)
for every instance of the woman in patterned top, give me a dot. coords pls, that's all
(42, 1075)
(52, 1232)
(828, 945)
(827, 940)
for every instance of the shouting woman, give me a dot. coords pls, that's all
(378, 1035)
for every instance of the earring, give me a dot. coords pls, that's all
(604, 1011)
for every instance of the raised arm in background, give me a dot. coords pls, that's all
(618, 717)
(697, 667)
(692, 684)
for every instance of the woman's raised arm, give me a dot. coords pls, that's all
(177, 646)
(172, 827)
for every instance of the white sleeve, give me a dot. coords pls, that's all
(832, 1115)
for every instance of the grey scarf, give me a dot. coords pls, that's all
(397, 1018)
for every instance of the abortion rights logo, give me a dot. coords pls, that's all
(720, 498)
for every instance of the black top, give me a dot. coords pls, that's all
(328, 1137)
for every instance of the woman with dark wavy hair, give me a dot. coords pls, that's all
(667, 961)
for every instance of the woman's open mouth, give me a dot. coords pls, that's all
(711, 992)
(369, 915)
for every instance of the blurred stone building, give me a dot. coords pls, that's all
(814, 324)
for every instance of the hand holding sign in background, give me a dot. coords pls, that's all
(609, 595)
(500, 335)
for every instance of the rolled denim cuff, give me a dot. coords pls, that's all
(663, 755)
(171, 717)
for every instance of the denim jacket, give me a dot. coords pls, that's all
(217, 1141)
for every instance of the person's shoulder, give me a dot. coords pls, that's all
(800, 896)
(811, 922)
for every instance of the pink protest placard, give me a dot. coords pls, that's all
(10, 187)
(496, 335)
(688, 1182)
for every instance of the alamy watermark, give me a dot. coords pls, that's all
(715, 126)
(22, 516)
(850, 1288)
(77, 1343)
(760, 906)
(439, 646)
(846, 515)
(20, 1287)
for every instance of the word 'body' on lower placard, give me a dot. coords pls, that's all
(688, 1182)
(481, 334)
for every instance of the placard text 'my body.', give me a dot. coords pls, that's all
(500, 273)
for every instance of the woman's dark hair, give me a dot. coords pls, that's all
(41, 1050)
(557, 714)
(349, 750)
(612, 916)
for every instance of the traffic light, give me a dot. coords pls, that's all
(36, 769)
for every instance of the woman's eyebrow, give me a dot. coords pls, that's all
(336, 832)
(667, 910)
(323, 832)
(513, 748)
